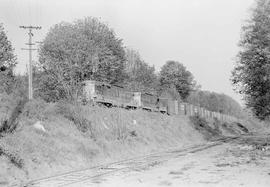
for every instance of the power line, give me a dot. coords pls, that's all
(30, 49)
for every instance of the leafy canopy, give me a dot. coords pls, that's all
(216, 102)
(7, 62)
(251, 75)
(74, 52)
(140, 76)
(175, 75)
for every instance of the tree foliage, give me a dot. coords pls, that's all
(216, 102)
(74, 52)
(251, 76)
(140, 76)
(175, 75)
(7, 62)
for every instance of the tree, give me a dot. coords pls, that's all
(216, 102)
(7, 62)
(175, 74)
(251, 75)
(140, 76)
(74, 52)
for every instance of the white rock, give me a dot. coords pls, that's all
(134, 122)
(104, 125)
(39, 126)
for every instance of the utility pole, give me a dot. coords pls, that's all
(30, 49)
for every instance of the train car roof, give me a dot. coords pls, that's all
(102, 83)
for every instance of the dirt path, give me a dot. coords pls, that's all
(236, 162)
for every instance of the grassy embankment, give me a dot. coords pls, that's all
(78, 137)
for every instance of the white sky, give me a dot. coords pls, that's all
(201, 34)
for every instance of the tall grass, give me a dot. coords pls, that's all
(76, 113)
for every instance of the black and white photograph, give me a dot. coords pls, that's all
(134, 93)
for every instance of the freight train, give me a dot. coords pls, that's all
(114, 95)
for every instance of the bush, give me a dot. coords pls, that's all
(202, 126)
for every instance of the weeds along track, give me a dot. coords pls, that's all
(133, 164)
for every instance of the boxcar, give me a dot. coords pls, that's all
(181, 108)
(163, 105)
(113, 95)
(172, 107)
(100, 92)
(149, 101)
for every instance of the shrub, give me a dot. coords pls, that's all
(202, 126)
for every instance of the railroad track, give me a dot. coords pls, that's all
(134, 164)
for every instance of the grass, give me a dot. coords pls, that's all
(76, 113)
(82, 136)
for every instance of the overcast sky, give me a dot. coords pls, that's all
(201, 34)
